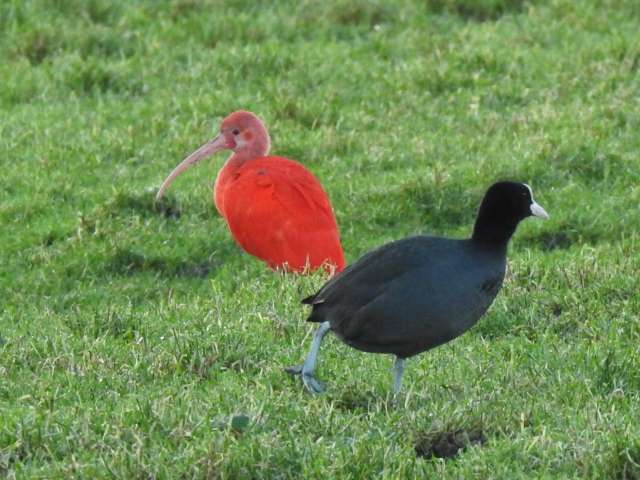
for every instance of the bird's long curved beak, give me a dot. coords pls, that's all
(206, 150)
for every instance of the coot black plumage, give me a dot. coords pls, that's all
(414, 294)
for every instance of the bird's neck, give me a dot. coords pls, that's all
(258, 148)
(237, 159)
(230, 167)
(492, 233)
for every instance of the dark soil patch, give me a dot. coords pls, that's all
(448, 444)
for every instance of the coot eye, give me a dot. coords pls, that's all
(235, 131)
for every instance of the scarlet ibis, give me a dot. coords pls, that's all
(412, 295)
(274, 207)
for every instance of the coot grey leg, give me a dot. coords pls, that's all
(309, 366)
(398, 370)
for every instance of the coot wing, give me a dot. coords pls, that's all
(364, 280)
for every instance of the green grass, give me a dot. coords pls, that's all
(135, 342)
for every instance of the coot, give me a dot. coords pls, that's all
(414, 294)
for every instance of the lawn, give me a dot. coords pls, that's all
(138, 341)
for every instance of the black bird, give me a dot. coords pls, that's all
(414, 294)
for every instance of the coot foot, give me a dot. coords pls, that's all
(312, 384)
(306, 370)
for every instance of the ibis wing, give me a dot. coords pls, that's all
(277, 210)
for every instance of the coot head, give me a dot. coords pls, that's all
(504, 205)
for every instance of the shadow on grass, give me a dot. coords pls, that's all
(361, 13)
(201, 260)
(36, 46)
(551, 240)
(477, 10)
(564, 237)
(97, 12)
(128, 262)
(90, 76)
(143, 204)
(120, 205)
(354, 400)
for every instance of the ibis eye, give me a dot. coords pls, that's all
(235, 131)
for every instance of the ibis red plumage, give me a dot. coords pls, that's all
(274, 207)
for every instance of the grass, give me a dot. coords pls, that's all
(140, 342)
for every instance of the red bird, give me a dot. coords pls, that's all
(275, 208)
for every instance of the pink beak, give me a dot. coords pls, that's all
(206, 150)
